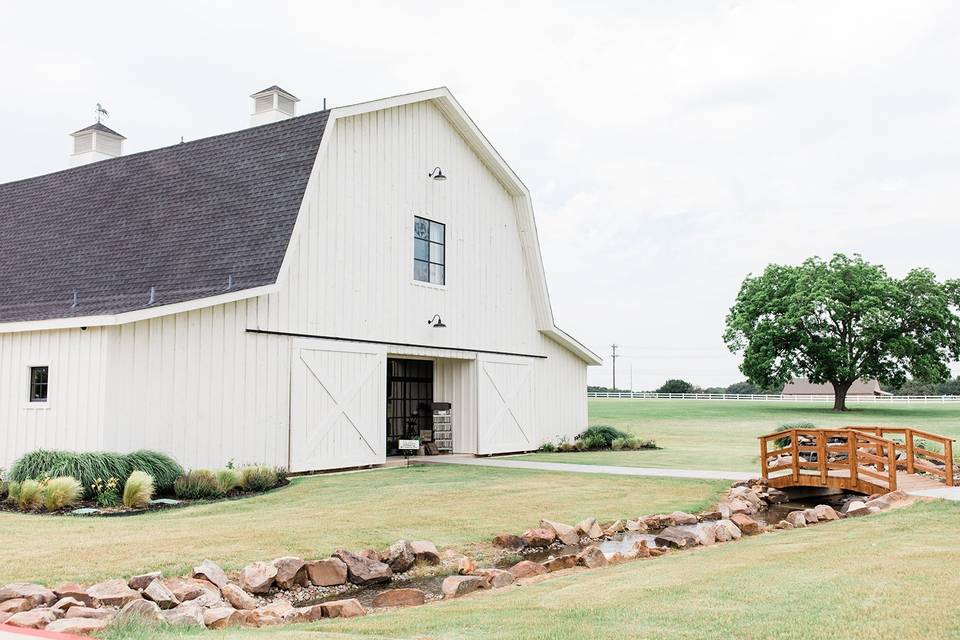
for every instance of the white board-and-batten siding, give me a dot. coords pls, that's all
(215, 384)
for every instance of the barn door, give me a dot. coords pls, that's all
(337, 407)
(506, 406)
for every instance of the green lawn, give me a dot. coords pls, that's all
(831, 581)
(454, 506)
(704, 434)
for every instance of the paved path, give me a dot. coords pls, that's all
(695, 474)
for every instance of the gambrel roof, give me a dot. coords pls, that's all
(189, 221)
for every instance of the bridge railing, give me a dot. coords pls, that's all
(917, 457)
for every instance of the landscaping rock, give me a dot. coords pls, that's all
(465, 566)
(183, 589)
(736, 505)
(825, 512)
(425, 551)
(775, 496)
(727, 531)
(677, 537)
(307, 614)
(274, 613)
(16, 605)
(33, 619)
(496, 578)
(331, 572)
(811, 516)
(894, 499)
(564, 532)
(63, 604)
(589, 528)
(141, 581)
(188, 614)
(710, 516)
(655, 522)
(797, 519)
(343, 609)
(592, 557)
(539, 537)
(211, 571)
(526, 569)
(73, 590)
(636, 525)
(508, 541)
(682, 518)
(36, 594)
(257, 577)
(746, 524)
(103, 613)
(370, 554)
(783, 524)
(361, 571)
(614, 529)
(141, 610)
(157, 592)
(113, 593)
(639, 550)
(567, 561)
(706, 533)
(240, 599)
(856, 508)
(221, 617)
(400, 598)
(400, 556)
(77, 626)
(289, 567)
(456, 586)
(209, 593)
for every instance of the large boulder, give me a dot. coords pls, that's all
(564, 532)
(209, 593)
(727, 531)
(311, 613)
(240, 599)
(400, 598)
(456, 586)
(331, 572)
(747, 524)
(77, 626)
(102, 613)
(614, 528)
(16, 605)
(826, 512)
(141, 581)
(589, 528)
(184, 590)
(496, 578)
(289, 571)
(33, 619)
(737, 505)
(508, 541)
(566, 561)
(221, 617)
(706, 533)
(363, 571)
(677, 537)
(425, 551)
(343, 608)
(811, 516)
(856, 508)
(592, 557)
(73, 590)
(526, 569)
(636, 525)
(681, 518)
(211, 571)
(141, 610)
(157, 592)
(187, 614)
(539, 537)
(36, 594)
(113, 593)
(797, 519)
(276, 612)
(258, 577)
(894, 499)
(400, 556)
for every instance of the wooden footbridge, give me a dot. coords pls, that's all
(861, 459)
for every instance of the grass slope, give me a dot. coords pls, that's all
(703, 434)
(831, 581)
(452, 506)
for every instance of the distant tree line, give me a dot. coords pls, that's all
(909, 388)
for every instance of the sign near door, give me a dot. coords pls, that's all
(408, 445)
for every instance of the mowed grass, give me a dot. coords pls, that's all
(704, 434)
(893, 575)
(452, 506)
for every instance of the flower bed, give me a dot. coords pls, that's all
(599, 438)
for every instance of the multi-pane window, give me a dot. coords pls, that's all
(429, 251)
(39, 380)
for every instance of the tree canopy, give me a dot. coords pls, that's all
(676, 386)
(842, 320)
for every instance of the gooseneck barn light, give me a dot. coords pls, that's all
(437, 174)
(436, 322)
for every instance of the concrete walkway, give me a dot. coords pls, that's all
(504, 463)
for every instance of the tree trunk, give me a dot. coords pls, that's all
(840, 390)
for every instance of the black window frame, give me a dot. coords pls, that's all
(39, 388)
(429, 262)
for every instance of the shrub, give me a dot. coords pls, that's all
(138, 490)
(548, 447)
(258, 478)
(30, 495)
(61, 492)
(618, 443)
(641, 443)
(106, 493)
(601, 436)
(227, 480)
(780, 443)
(566, 446)
(197, 484)
(88, 467)
(281, 473)
(13, 492)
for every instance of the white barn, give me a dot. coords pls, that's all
(304, 293)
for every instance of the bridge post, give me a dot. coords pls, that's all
(908, 436)
(763, 459)
(822, 456)
(948, 454)
(852, 457)
(892, 467)
(795, 455)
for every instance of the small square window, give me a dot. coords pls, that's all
(429, 251)
(39, 382)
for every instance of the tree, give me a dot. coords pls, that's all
(676, 386)
(841, 320)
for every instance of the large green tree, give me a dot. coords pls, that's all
(843, 320)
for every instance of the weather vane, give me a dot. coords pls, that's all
(101, 112)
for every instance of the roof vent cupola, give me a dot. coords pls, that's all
(96, 142)
(272, 105)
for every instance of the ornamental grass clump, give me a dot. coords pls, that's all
(61, 492)
(30, 495)
(162, 468)
(13, 492)
(138, 490)
(197, 484)
(258, 478)
(228, 480)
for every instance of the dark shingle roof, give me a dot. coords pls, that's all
(186, 220)
(98, 126)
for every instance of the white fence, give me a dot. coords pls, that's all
(757, 397)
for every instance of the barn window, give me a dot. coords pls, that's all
(429, 251)
(39, 381)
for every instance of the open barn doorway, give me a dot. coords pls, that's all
(409, 402)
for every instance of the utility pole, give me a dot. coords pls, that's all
(614, 357)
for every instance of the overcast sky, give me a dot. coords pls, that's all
(671, 147)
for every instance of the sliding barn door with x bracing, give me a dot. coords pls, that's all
(506, 405)
(337, 408)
